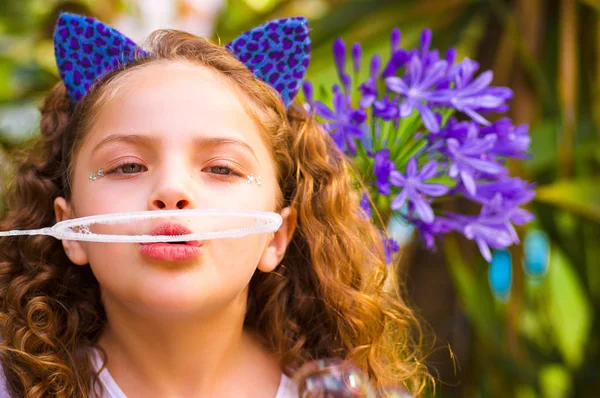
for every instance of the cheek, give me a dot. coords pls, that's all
(96, 198)
(237, 253)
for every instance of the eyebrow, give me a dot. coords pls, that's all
(149, 140)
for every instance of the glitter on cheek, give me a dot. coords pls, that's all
(94, 176)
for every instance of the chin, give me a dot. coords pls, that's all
(170, 301)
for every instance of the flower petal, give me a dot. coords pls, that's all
(411, 167)
(428, 170)
(484, 166)
(356, 53)
(307, 89)
(323, 111)
(395, 39)
(399, 200)
(339, 55)
(423, 209)
(469, 182)
(375, 65)
(476, 116)
(396, 84)
(339, 103)
(338, 138)
(433, 74)
(429, 119)
(433, 189)
(484, 249)
(407, 106)
(415, 70)
(397, 179)
(478, 84)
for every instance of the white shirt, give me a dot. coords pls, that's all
(287, 388)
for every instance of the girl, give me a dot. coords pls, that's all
(185, 124)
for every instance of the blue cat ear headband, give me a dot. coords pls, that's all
(86, 49)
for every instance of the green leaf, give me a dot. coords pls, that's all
(568, 308)
(555, 381)
(407, 152)
(578, 196)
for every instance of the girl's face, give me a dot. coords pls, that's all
(175, 136)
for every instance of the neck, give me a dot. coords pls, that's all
(183, 355)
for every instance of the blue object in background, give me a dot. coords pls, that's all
(399, 231)
(500, 273)
(536, 249)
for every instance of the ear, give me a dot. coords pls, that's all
(273, 253)
(73, 249)
(86, 49)
(277, 52)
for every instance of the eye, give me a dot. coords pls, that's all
(224, 171)
(126, 168)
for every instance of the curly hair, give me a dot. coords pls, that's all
(327, 298)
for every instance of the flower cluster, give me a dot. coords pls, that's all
(418, 133)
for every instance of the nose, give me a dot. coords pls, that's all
(170, 204)
(172, 189)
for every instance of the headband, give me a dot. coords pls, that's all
(86, 49)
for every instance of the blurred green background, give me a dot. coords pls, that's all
(543, 338)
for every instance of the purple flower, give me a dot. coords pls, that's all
(473, 96)
(398, 59)
(365, 206)
(394, 40)
(307, 89)
(513, 141)
(383, 168)
(339, 55)
(468, 158)
(419, 87)
(414, 187)
(506, 214)
(473, 152)
(486, 231)
(356, 53)
(447, 80)
(439, 226)
(514, 191)
(386, 109)
(344, 124)
(390, 247)
(398, 56)
(369, 88)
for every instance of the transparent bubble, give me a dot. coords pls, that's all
(332, 378)
(338, 378)
(161, 226)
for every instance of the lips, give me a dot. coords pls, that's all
(175, 251)
(171, 229)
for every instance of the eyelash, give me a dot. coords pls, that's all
(233, 171)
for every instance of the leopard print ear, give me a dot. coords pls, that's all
(86, 49)
(277, 52)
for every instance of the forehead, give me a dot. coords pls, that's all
(175, 101)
